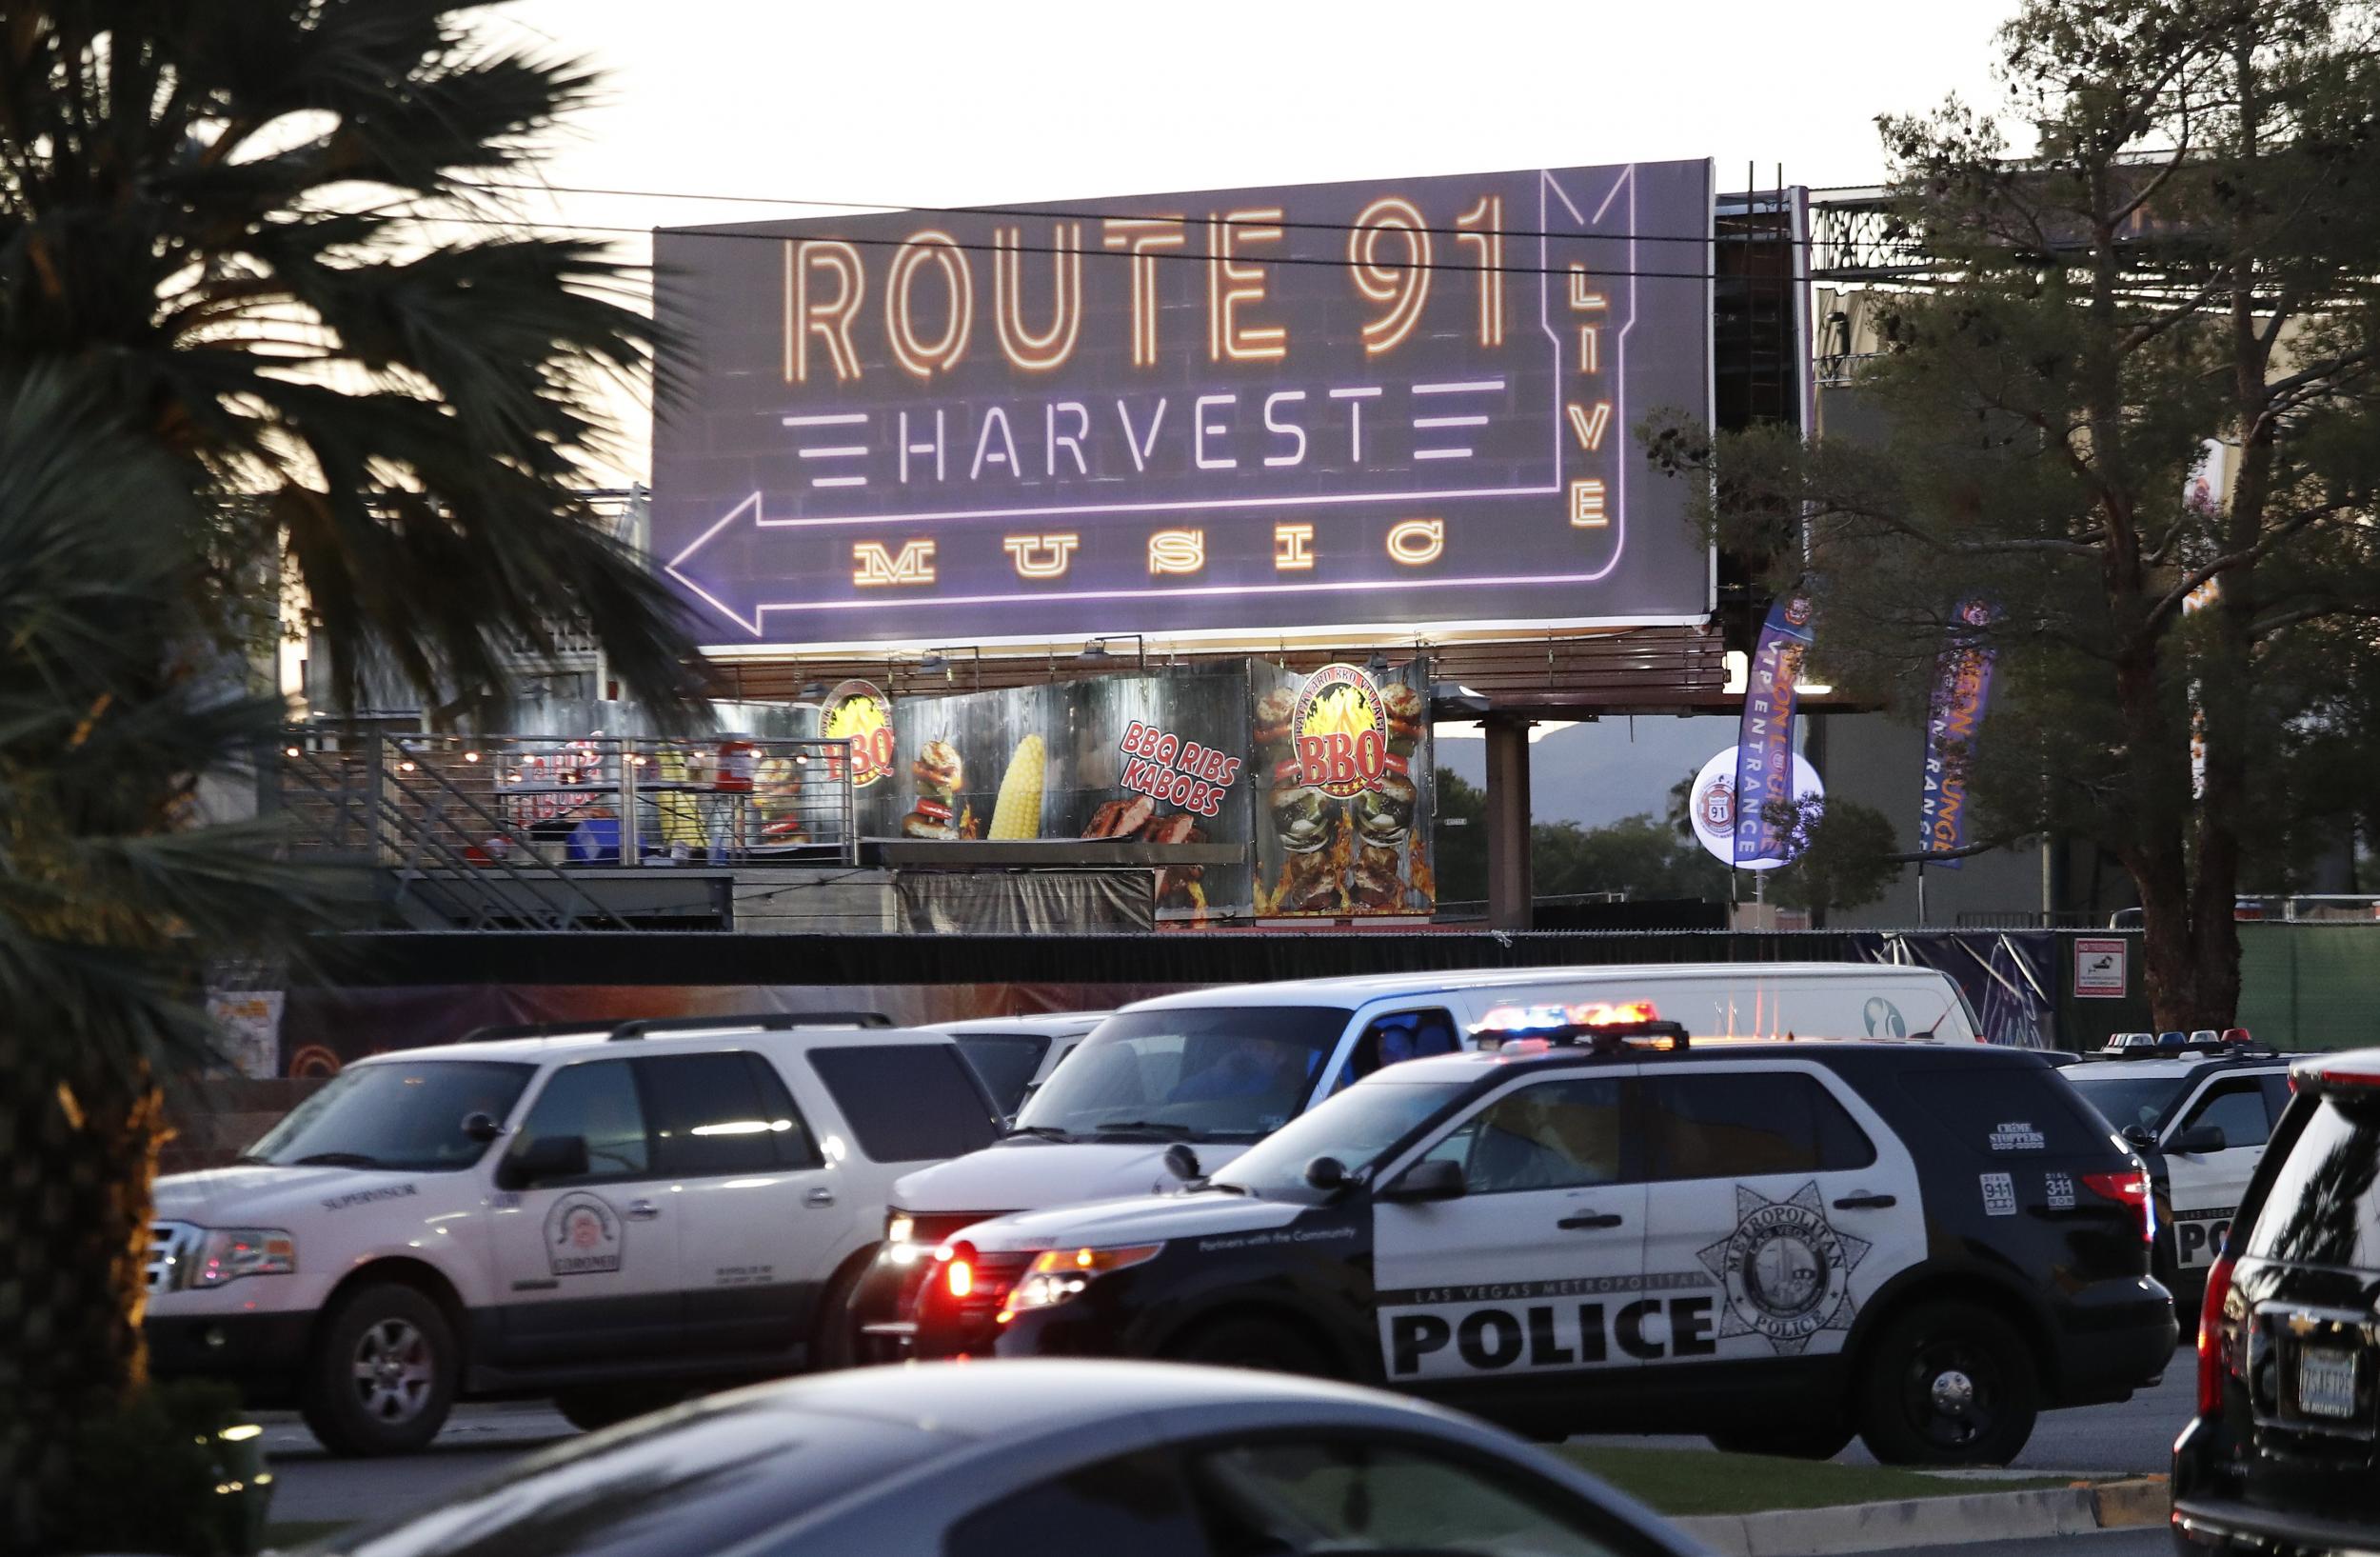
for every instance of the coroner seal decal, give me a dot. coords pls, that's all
(1786, 1269)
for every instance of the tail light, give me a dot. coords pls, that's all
(958, 1269)
(2127, 1189)
(2211, 1360)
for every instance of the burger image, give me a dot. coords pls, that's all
(938, 770)
(1376, 885)
(1309, 885)
(1384, 817)
(1275, 712)
(1302, 816)
(1406, 712)
(930, 823)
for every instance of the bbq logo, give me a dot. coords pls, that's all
(1340, 726)
(582, 1236)
(1786, 1270)
(857, 712)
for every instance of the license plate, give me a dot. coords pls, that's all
(2325, 1382)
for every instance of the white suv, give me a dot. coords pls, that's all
(611, 1218)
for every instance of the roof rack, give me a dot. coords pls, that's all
(498, 1033)
(763, 1022)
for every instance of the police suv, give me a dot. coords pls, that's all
(611, 1218)
(2198, 1108)
(1186, 1082)
(1607, 1223)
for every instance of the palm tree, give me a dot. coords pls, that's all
(235, 330)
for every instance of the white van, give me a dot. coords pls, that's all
(1015, 1054)
(1172, 1088)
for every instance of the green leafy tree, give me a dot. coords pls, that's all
(1638, 855)
(1839, 855)
(237, 339)
(2188, 256)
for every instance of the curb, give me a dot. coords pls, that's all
(1934, 1522)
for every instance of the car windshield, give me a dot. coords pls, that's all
(402, 1115)
(1356, 1127)
(1190, 1073)
(1006, 1061)
(2126, 1101)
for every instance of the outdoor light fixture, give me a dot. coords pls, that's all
(812, 691)
(1096, 652)
(934, 661)
(1378, 664)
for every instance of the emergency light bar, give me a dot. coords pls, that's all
(2153, 1046)
(1605, 1027)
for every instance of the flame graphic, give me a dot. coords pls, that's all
(1340, 711)
(857, 715)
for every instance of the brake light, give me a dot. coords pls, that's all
(2127, 1189)
(957, 1263)
(2211, 1362)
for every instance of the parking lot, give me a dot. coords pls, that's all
(314, 1487)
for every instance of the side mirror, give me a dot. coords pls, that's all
(543, 1161)
(1438, 1179)
(481, 1127)
(1326, 1173)
(1181, 1162)
(2139, 1135)
(2197, 1140)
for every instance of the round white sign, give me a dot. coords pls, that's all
(1712, 805)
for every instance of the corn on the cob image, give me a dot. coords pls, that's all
(1018, 812)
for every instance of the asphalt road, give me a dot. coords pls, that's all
(2135, 1436)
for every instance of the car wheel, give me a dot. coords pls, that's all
(835, 1339)
(383, 1375)
(603, 1405)
(1812, 1441)
(1253, 1342)
(1948, 1383)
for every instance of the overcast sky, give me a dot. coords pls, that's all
(943, 103)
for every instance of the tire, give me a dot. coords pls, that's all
(1948, 1383)
(835, 1340)
(1265, 1345)
(598, 1406)
(1810, 1441)
(382, 1378)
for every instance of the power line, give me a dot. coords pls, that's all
(881, 207)
(1597, 271)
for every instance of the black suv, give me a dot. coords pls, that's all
(1777, 1244)
(2281, 1455)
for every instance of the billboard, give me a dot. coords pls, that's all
(1395, 405)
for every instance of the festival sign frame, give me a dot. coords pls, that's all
(1382, 408)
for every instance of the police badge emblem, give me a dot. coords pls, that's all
(1787, 1271)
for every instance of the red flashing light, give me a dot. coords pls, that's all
(2211, 1362)
(2236, 1035)
(2345, 1078)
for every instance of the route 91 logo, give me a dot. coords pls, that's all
(1786, 1269)
(1342, 730)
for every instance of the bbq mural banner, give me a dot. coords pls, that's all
(1348, 765)
(1962, 690)
(1764, 746)
(1208, 416)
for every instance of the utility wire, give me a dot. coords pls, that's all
(878, 207)
(1600, 273)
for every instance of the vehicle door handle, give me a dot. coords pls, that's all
(820, 1196)
(642, 1210)
(1589, 1219)
(1866, 1202)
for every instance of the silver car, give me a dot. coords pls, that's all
(974, 1460)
